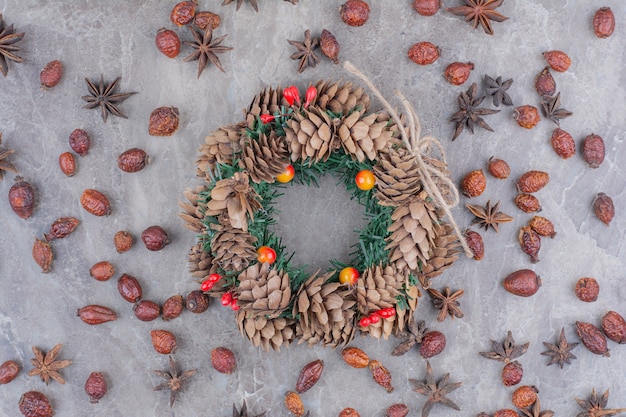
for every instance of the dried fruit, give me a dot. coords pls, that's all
(329, 46)
(96, 203)
(146, 310)
(206, 19)
(551, 108)
(480, 11)
(174, 381)
(558, 60)
(163, 121)
(526, 116)
(426, 7)
(596, 406)
(560, 352)
(475, 242)
(603, 22)
(532, 181)
(497, 89)
(355, 12)
(80, 141)
(349, 412)
(433, 344)
(105, 96)
(527, 203)
(102, 271)
(95, 387)
(129, 288)
(523, 282)
(305, 51)
(183, 13)
(587, 289)
(512, 374)
(593, 150)
(563, 143)
(61, 227)
(614, 326)
(469, 113)
(22, 198)
(435, 391)
(499, 168)
(155, 238)
(132, 160)
(309, 375)
(8, 371)
(172, 307)
(197, 302)
(167, 42)
(96, 314)
(474, 183)
(223, 360)
(505, 412)
(381, 375)
(294, 404)
(397, 410)
(603, 208)
(530, 243)
(592, 338)
(542, 226)
(447, 302)
(545, 85)
(458, 72)
(355, 357)
(42, 254)
(123, 241)
(489, 215)
(206, 49)
(524, 396)
(35, 404)
(46, 366)
(67, 163)
(51, 74)
(164, 341)
(424, 53)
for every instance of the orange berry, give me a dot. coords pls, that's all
(286, 176)
(365, 180)
(348, 276)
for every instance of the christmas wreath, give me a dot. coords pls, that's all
(405, 190)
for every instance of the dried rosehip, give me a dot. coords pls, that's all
(80, 141)
(205, 19)
(8, 371)
(524, 396)
(309, 375)
(397, 410)
(61, 227)
(505, 412)
(155, 238)
(132, 160)
(95, 387)
(532, 181)
(474, 183)
(614, 326)
(355, 357)
(523, 282)
(349, 412)
(558, 60)
(22, 198)
(499, 168)
(592, 338)
(426, 7)
(433, 344)
(183, 13)
(163, 121)
(163, 341)
(530, 243)
(475, 242)
(526, 116)
(96, 203)
(545, 85)
(542, 226)
(593, 150)
(129, 288)
(294, 404)
(587, 289)
(42, 254)
(381, 375)
(603, 22)
(458, 72)
(51, 74)
(512, 373)
(329, 46)
(197, 302)
(527, 203)
(146, 310)
(355, 12)
(123, 241)
(563, 143)
(172, 307)
(167, 42)
(35, 404)
(603, 208)
(67, 163)
(424, 53)
(96, 314)
(102, 271)
(223, 360)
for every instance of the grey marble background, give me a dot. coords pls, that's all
(116, 38)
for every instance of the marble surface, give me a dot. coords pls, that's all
(116, 38)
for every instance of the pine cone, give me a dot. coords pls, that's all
(266, 333)
(219, 147)
(341, 98)
(397, 178)
(445, 251)
(232, 247)
(263, 291)
(268, 101)
(362, 137)
(312, 135)
(265, 158)
(236, 197)
(193, 213)
(200, 262)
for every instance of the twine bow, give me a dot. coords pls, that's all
(435, 179)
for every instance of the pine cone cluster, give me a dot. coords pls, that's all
(266, 333)
(265, 158)
(263, 291)
(233, 248)
(235, 197)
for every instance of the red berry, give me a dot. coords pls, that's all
(234, 305)
(365, 321)
(214, 278)
(374, 318)
(227, 299)
(387, 312)
(207, 284)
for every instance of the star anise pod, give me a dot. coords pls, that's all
(6, 165)
(560, 352)
(206, 48)
(447, 303)
(103, 96)
(413, 335)
(8, 38)
(506, 350)
(595, 407)
(244, 411)
(535, 411)
(480, 12)
(488, 215)
(551, 107)
(46, 365)
(253, 3)
(497, 90)
(435, 391)
(306, 51)
(173, 380)
(469, 113)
